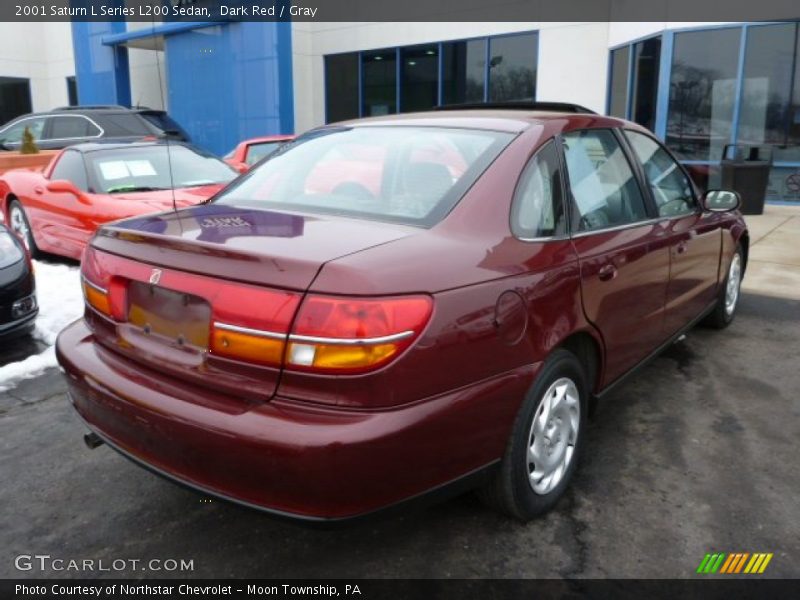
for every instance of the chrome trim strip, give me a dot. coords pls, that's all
(351, 341)
(580, 234)
(315, 339)
(258, 332)
(94, 285)
(99, 314)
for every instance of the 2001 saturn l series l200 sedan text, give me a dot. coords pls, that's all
(399, 305)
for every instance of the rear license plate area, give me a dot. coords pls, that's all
(169, 316)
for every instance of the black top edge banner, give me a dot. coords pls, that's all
(210, 11)
(710, 588)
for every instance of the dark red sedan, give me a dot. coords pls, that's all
(440, 319)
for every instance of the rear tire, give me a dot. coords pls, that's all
(18, 221)
(729, 293)
(545, 444)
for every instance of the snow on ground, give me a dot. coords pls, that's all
(58, 290)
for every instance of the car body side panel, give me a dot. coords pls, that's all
(695, 246)
(463, 343)
(628, 306)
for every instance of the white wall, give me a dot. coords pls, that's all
(41, 52)
(573, 64)
(145, 67)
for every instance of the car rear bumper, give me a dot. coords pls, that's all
(293, 459)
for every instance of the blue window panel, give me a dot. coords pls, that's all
(231, 82)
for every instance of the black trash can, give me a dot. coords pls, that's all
(745, 169)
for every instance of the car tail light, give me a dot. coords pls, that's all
(103, 293)
(252, 324)
(333, 334)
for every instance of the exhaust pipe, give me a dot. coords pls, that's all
(92, 440)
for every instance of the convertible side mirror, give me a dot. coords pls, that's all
(62, 186)
(721, 200)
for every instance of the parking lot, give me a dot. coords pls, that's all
(695, 453)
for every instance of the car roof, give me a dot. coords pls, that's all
(113, 145)
(268, 138)
(510, 120)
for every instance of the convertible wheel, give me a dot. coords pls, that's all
(546, 441)
(20, 225)
(728, 299)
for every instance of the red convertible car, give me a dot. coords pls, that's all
(59, 208)
(324, 353)
(249, 152)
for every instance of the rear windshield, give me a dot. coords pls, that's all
(164, 123)
(147, 168)
(412, 175)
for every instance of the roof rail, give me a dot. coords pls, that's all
(520, 105)
(92, 107)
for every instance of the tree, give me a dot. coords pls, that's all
(28, 143)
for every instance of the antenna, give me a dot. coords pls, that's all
(166, 134)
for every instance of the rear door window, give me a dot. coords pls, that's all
(604, 188)
(67, 127)
(538, 207)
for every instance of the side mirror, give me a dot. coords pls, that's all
(63, 186)
(721, 200)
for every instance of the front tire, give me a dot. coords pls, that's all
(546, 441)
(20, 225)
(729, 294)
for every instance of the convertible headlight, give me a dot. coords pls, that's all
(10, 250)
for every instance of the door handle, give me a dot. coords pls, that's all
(607, 272)
(38, 189)
(681, 247)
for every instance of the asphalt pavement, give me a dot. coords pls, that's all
(696, 453)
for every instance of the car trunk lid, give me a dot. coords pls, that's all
(185, 289)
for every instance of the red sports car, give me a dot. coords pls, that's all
(249, 152)
(59, 208)
(322, 353)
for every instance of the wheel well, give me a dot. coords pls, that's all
(588, 351)
(745, 242)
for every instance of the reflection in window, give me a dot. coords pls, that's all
(670, 187)
(463, 70)
(770, 108)
(341, 87)
(702, 92)
(512, 67)
(420, 78)
(618, 100)
(603, 186)
(645, 82)
(380, 82)
(538, 208)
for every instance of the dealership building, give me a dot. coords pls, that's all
(698, 86)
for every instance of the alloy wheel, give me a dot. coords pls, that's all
(733, 284)
(553, 435)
